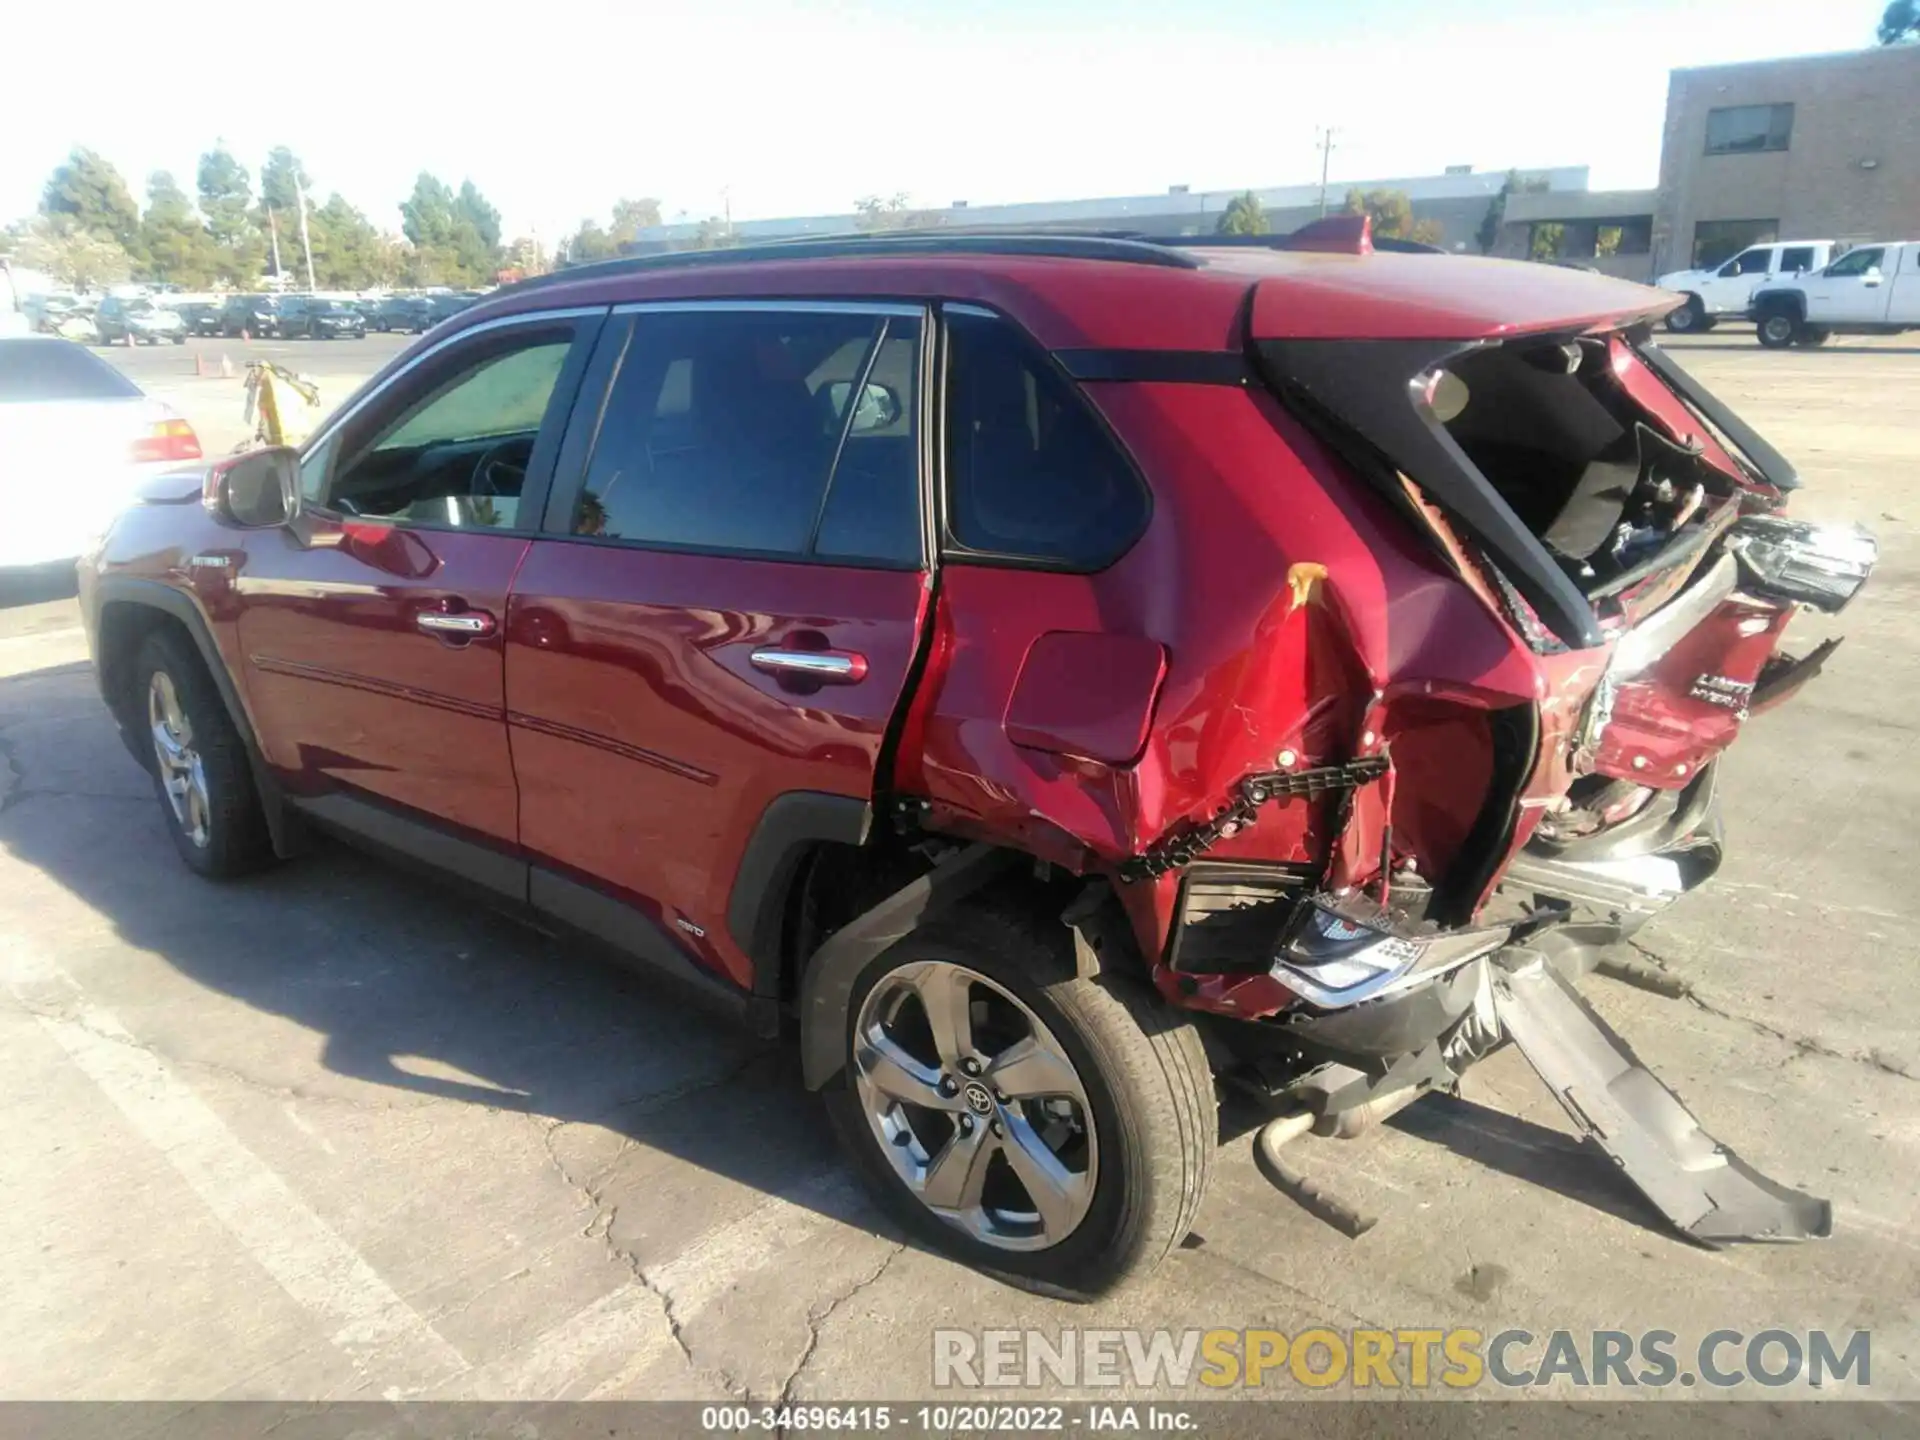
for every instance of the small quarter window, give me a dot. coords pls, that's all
(1031, 473)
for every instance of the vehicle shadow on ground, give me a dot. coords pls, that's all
(415, 988)
(411, 986)
(1510, 1144)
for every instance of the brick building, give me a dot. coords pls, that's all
(1815, 147)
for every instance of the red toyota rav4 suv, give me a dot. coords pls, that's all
(1054, 671)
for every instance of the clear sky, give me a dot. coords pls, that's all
(801, 106)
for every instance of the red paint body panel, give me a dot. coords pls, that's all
(1082, 693)
(647, 745)
(349, 693)
(1663, 730)
(1431, 297)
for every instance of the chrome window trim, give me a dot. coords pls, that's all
(368, 395)
(774, 305)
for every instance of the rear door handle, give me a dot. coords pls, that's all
(455, 625)
(828, 667)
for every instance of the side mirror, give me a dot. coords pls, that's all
(1873, 276)
(879, 407)
(255, 491)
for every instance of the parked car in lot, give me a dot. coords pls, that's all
(319, 318)
(76, 440)
(402, 313)
(1054, 673)
(1871, 290)
(1725, 292)
(255, 315)
(202, 317)
(141, 319)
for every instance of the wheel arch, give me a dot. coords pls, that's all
(1784, 302)
(128, 611)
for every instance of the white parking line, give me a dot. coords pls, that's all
(305, 1256)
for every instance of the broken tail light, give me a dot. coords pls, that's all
(1823, 566)
(1338, 951)
(167, 440)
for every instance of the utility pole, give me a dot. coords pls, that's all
(273, 232)
(1325, 140)
(300, 194)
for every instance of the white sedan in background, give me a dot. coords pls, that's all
(77, 438)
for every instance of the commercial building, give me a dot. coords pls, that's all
(1822, 147)
(1456, 201)
(1814, 147)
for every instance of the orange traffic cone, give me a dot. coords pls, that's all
(245, 338)
(226, 367)
(199, 366)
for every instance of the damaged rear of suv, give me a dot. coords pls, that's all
(1404, 705)
(1056, 673)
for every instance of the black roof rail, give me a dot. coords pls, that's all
(1280, 242)
(1066, 245)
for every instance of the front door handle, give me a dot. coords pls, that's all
(455, 625)
(827, 667)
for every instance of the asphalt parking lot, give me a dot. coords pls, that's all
(332, 1134)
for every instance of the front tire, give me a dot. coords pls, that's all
(1689, 319)
(1812, 335)
(199, 763)
(1054, 1131)
(1778, 330)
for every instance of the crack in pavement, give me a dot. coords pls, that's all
(1872, 1059)
(604, 1213)
(817, 1318)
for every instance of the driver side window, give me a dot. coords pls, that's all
(456, 454)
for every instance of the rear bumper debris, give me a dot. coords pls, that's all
(1706, 1191)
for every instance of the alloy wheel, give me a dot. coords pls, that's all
(1778, 328)
(183, 775)
(976, 1105)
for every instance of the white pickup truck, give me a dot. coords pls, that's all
(1725, 292)
(1870, 290)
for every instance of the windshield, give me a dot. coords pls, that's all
(35, 370)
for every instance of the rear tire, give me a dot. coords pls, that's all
(198, 761)
(1778, 330)
(1134, 1148)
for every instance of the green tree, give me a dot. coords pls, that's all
(630, 217)
(226, 200)
(1900, 23)
(1488, 235)
(87, 193)
(714, 233)
(891, 212)
(282, 179)
(471, 207)
(72, 255)
(345, 246)
(456, 238)
(1243, 216)
(1390, 210)
(176, 244)
(590, 242)
(1545, 241)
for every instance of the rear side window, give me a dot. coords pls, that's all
(32, 370)
(765, 432)
(1796, 258)
(1031, 474)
